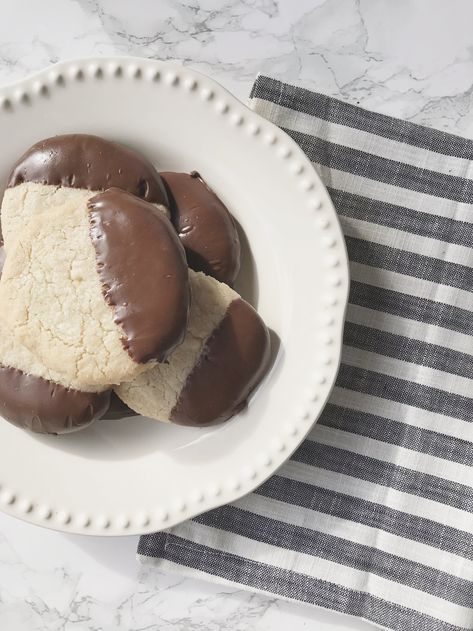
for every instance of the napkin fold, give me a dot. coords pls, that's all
(372, 516)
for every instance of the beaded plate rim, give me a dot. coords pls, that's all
(39, 85)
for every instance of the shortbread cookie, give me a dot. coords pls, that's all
(97, 291)
(205, 226)
(209, 377)
(36, 398)
(74, 166)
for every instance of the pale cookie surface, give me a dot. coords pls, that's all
(58, 166)
(24, 201)
(14, 355)
(156, 392)
(56, 305)
(38, 399)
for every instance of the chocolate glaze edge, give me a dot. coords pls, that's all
(90, 162)
(117, 409)
(233, 362)
(45, 407)
(149, 293)
(205, 226)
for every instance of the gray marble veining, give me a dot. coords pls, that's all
(409, 58)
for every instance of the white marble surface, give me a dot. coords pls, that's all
(410, 58)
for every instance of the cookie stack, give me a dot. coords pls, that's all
(97, 299)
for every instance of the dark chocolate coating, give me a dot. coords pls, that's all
(45, 407)
(90, 162)
(142, 267)
(117, 409)
(233, 362)
(205, 226)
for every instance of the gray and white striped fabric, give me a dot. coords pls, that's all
(372, 516)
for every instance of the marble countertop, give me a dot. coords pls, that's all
(409, 58)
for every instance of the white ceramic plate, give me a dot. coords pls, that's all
(137, 475)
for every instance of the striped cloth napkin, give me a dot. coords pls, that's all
(372, 516)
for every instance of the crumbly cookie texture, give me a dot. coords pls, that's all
(14, 355)
(24, 201)
(56, 307)
(67, 162)
(36, 398)
(156, 392)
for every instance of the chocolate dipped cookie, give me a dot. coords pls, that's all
(39, 399)
(97, 290)
(73, 167)
(210, 376)
(205, 226)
